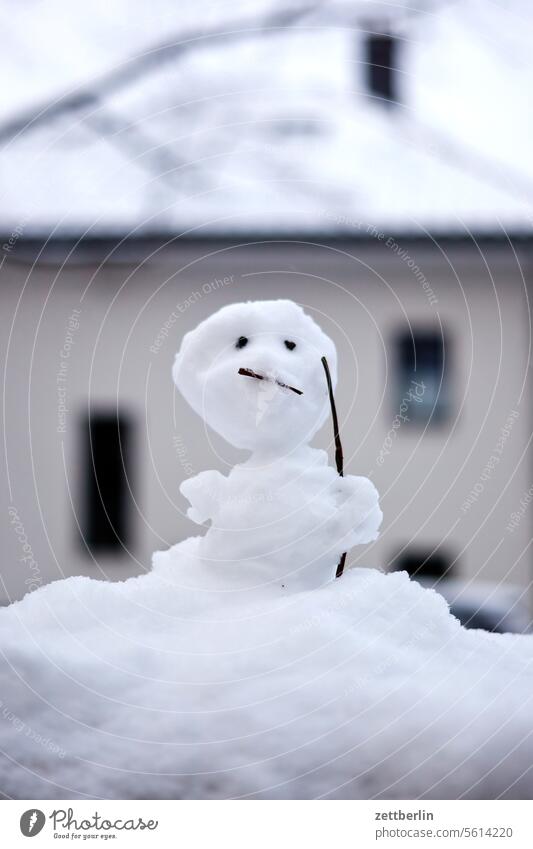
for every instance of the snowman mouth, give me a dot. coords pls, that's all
(247, 372)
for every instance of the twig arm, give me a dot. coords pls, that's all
(339, 457)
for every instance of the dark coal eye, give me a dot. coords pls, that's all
(241, 342)
(290, 345)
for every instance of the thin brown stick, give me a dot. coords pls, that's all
(339, 457)
(247, 372)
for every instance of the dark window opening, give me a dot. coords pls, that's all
(381, 66)
(427, 566)
(107, 448)
(475, 617)
(422, 384)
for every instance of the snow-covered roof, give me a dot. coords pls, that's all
(254, 116)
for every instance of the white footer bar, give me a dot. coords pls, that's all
(268, 824)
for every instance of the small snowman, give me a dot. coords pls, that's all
(254, 372)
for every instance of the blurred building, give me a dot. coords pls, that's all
(379, 187)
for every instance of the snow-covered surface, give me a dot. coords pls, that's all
(366, 687)
(268, 129)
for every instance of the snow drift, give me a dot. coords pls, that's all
(164, 687)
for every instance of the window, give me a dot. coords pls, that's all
(429, 566)
(381, 66)
(107, 441)
(422, 386)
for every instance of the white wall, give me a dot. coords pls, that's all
(361, 295)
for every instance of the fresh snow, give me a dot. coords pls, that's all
(366, 687)
(252, 133)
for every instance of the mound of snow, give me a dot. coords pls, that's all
(168, 686)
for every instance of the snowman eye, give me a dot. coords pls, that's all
(241, 342)
(290, 345)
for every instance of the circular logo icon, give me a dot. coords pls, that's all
(32, 822)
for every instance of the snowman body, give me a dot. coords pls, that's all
(284, 521)
(284, 516)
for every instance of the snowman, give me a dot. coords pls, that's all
(284, 517)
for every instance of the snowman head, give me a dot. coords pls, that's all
(253, 372)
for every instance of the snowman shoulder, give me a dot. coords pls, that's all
(319, 457)
(314, 469)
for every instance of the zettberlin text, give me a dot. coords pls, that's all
(404, 815)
